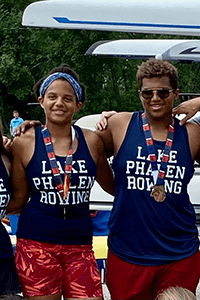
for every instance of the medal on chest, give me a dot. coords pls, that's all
(158, 192)
(158, 189)
(62, 186)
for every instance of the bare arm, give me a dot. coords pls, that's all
(189, 108)
(104, 174)
(103, 122)
(27, 124)
(19, 195)
(194, 140)
(7, 163)
(114, 134)
(7, 143)
(106, 137)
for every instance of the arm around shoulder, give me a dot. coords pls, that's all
(193, 130)
(113, 135)
(103, 174)
(189, 108)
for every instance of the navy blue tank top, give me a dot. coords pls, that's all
(42, 217)
(143, 231)
(5, 244)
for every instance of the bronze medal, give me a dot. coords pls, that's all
(158, 192)
(158, 173)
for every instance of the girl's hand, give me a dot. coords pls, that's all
(102, 124)
(7, 143)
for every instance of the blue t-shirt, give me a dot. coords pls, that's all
(143, 231)
(14, 123)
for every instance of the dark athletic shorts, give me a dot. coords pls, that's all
(8, 277)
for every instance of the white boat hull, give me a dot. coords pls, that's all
(172, 49)
(180, 17)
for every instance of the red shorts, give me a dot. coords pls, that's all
(45, 269)
(129, 281)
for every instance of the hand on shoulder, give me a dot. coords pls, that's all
(27, 124)
(103, 122)
(119, 121)
(7, 143)
(23, 145)
(189, 108)
(107, 116)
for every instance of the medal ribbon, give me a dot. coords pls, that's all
(165, 157)
(62, 188)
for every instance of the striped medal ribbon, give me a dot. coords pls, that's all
(158, 190)
(61, 187)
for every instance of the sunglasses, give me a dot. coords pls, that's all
(148, 94)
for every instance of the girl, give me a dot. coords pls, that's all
(54, 254)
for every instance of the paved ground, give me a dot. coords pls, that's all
(106, 293)
(198, 292)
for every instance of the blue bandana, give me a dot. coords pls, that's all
(47, 81)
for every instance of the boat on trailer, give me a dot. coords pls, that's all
(180, 17)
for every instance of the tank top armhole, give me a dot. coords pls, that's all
(135, 115)
(36, 142)
(82, 144)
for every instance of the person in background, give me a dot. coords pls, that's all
(153, 240)
(15, 122)
(8, 275)
(54, 167)
(176, 293)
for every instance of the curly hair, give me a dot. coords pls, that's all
(156, 68)
(63, 68)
